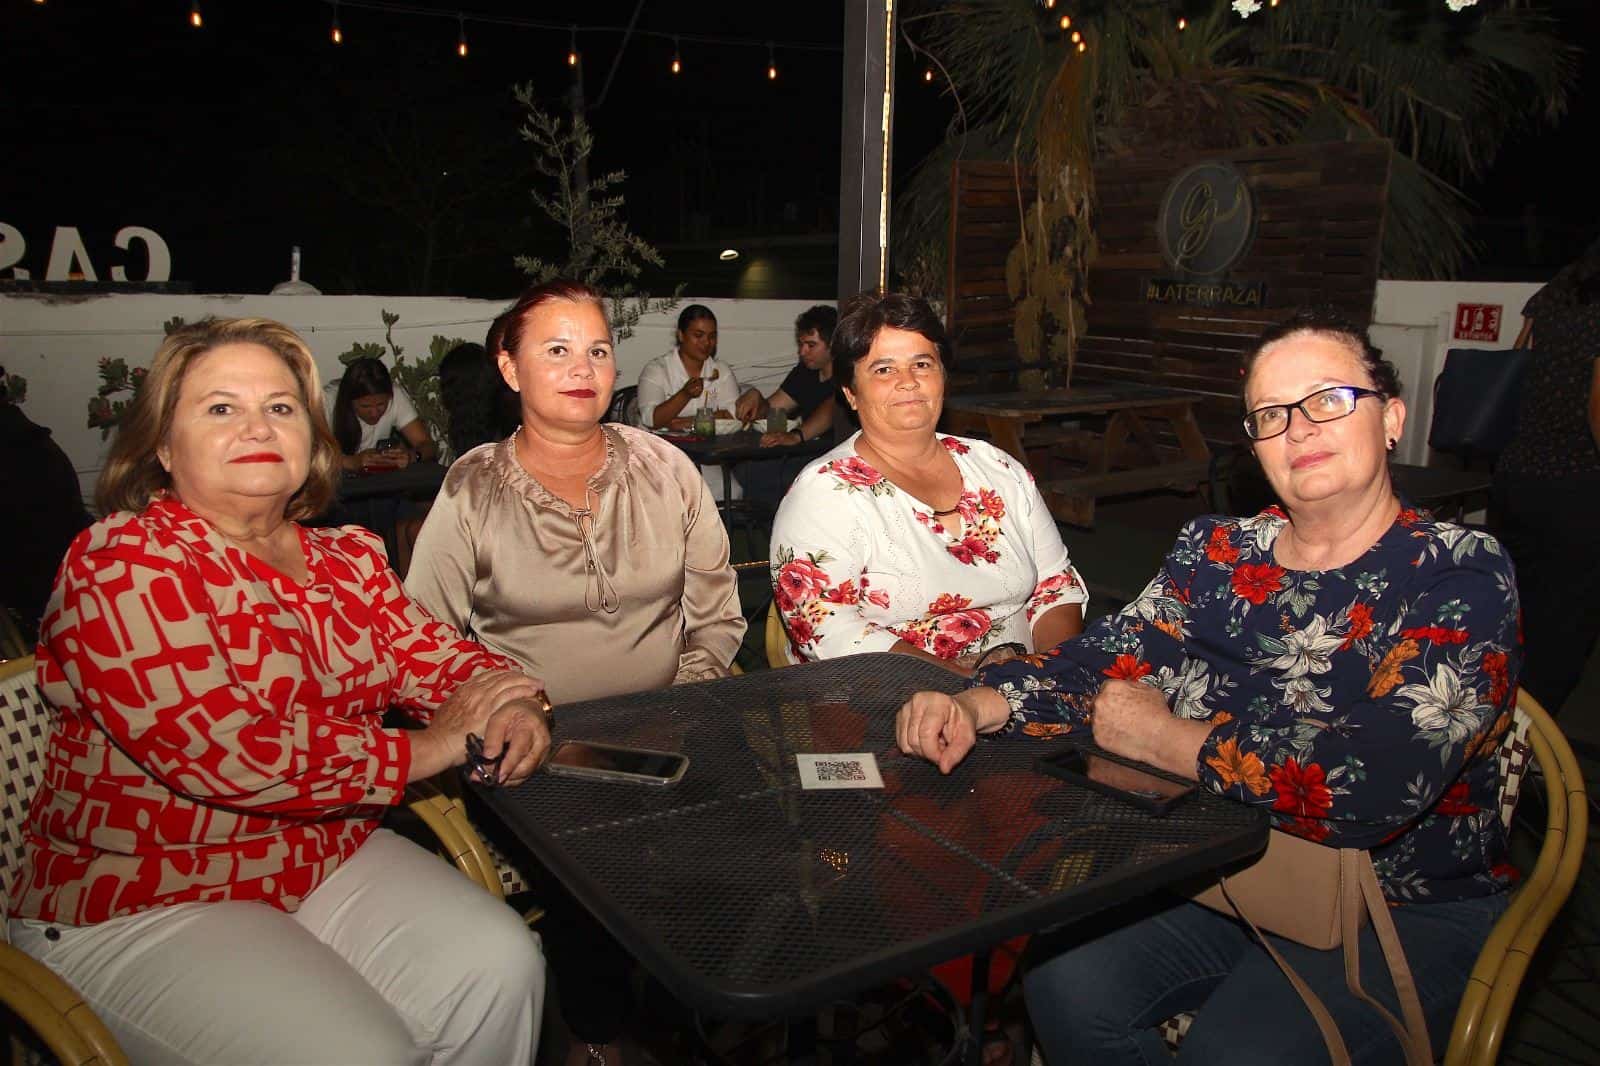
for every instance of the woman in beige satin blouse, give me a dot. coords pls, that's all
(594, 556)
(591, 554)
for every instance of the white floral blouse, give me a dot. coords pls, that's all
(858, 564)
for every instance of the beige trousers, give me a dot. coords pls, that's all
(395, 959)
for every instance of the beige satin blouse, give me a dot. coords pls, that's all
(639, 596)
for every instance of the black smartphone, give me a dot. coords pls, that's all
(1148, 791)
(612, 762)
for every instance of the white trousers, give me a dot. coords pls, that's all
(394, 959)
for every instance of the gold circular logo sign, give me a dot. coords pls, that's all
(1207, 219)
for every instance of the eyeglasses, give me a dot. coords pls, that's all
(487, 770)
(1324, 405)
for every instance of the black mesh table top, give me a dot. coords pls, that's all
(750, 897)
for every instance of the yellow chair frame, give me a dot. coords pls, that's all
(777, 638)
(68, 1027)
(1485, 1009)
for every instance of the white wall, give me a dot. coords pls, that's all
(56, 341)
(1412, 322)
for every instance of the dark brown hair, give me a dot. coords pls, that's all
(1327, 322)
(867, 314)
(505, 333)
(362, 377)
(133, 475)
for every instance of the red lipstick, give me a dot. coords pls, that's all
(1309, 460)
(258, 457)
(581, 394)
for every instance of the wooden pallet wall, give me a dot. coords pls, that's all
(1319, 211)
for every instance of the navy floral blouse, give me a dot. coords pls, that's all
(1360, 706)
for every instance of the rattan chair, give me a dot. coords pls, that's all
(1492, 987)
(1491, 991)
(45, 1004)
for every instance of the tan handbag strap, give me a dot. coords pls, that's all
(1337, 1052)
(1358, 886)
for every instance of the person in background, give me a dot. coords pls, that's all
(807, 393)
(1346, 664)
(592, 554)
(36, 478)
(903, 539)
(481, 407)
(675, 384)
(366, 409)
(1544, 503)
(204, 862)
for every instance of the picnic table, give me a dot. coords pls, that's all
(1013, 420)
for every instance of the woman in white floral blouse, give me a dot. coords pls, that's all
(903, 539)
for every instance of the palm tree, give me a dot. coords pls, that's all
(1444, 88)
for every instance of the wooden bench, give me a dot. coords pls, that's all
(1072, 499)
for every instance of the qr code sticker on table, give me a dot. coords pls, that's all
(855, 769)
(840, 770)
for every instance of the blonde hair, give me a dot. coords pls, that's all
(133, 475)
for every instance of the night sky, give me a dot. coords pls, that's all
(255, 132)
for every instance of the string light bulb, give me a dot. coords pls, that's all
(194, 15)
(572, 48)
(1183, 23)
(1066, 22)
(1049, 5)
(772, 64)
(677, 63)
(927, 75)
(336, 33)
(461, 37)
(1077, 38)
(1083, 46)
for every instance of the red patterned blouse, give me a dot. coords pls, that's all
(220, 727)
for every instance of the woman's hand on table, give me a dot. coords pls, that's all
(520, 731)
(1133, 720)
(443, 743)
(943, 728)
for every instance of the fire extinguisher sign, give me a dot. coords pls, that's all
(1477, 322)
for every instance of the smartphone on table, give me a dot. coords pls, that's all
(1149, 791)
(613, 762)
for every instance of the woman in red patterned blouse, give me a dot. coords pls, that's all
(204, 858)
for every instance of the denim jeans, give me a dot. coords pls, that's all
(1099, 1000)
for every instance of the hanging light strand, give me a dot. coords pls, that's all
(194, 15)
(677, 61)
(336, 33)
(461, 37)
(772, 63)
(572, 48)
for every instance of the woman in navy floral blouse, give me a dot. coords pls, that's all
(1346, 663)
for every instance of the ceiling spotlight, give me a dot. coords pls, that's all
(728, 255)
